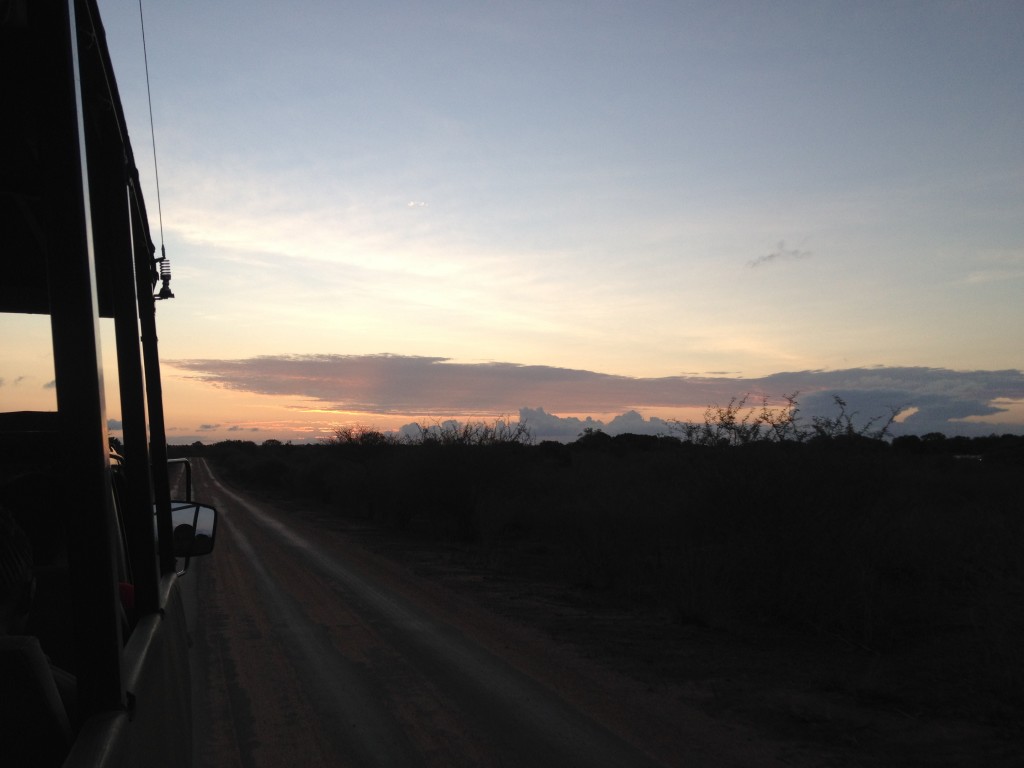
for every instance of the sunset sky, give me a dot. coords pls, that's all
(386, 212)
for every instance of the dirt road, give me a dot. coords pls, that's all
(311, 651)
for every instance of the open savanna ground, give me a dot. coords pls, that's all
(797, 583)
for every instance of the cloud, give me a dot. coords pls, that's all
(547, 426)
(394, 385)
(208, 427)
(115, 424)
(779, 254)
(634, 423)
(19, 380)
(52, 384)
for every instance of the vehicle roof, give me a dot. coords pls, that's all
(36, 102)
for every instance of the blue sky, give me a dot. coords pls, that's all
(640, 190)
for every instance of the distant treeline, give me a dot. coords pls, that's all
(1004, 449)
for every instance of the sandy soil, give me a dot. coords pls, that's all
(735, 700)
(311, 648)
(691, 695)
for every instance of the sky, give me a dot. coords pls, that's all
(381, 213)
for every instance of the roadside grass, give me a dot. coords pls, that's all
(897, 550)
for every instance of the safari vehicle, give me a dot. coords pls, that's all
(108, 542)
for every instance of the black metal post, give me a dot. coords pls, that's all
(88, 503)
(154, 390)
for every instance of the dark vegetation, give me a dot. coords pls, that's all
(751, 523)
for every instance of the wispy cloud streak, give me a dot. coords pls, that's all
(781, 253)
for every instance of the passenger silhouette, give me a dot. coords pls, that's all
(17, 583)
(17, 590)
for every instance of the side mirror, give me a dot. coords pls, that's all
(194, 528)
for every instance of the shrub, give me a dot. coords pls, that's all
(739, 424)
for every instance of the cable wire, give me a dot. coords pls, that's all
(152, 133)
